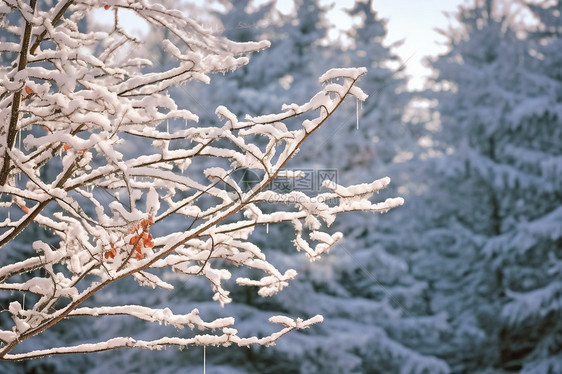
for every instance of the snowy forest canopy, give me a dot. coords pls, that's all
(465, 277)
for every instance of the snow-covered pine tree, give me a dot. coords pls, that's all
(528, 253)
(490, 226)
(126, 202)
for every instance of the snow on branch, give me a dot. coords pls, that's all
(227, 338)
(126, 184)
(165, 316)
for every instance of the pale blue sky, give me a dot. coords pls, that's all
(413, 21)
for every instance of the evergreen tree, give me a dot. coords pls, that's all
(490, 226)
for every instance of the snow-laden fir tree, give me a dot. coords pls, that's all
(529, 249)
(490, 222)
(90, 160)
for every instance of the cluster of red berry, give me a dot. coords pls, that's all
(141, 239)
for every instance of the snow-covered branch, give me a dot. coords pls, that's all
(227, 338)
(126, 184)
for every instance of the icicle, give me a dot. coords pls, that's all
(19, 140)
(267, 228)
(204, 359)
